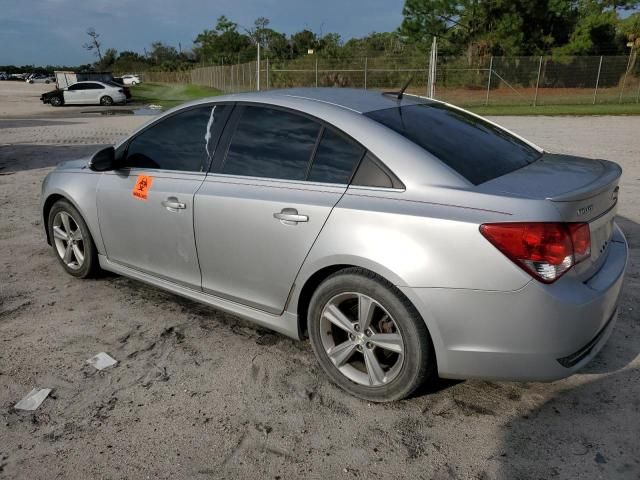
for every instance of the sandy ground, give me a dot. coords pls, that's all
(200, 394)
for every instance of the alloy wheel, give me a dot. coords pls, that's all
(68, 240)
(362, 339)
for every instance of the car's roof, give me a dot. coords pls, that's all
(354, 99)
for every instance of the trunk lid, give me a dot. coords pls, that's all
(581, 189)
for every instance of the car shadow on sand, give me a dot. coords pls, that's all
(16, 158)
(591, 430)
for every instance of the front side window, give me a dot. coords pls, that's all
(271, 143)
(77, 86)
(184, 141)
(335, 158)
(476, 149)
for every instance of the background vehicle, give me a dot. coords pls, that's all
(404, 236)
(3, 76)
(86, 93)
(38, 78)
(125, 90)
(130, 79)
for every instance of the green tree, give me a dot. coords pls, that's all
(514, 27)
(302, 41)
(108, 60)
(224, 44)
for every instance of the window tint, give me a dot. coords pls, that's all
(370, 174)
(180, 142)
(335, 158)
(93, 86)
(77, 86)
(472, 147)
(271, 143)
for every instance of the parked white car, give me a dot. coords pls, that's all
(130, 79)
(41, 79)
(86, 93)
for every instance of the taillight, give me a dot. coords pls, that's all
(545, 250)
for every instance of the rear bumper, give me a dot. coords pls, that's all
(539, 332)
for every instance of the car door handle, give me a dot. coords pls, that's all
(173, 205)
(290, 216)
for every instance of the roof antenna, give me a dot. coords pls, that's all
(404, 87)
(400, 94)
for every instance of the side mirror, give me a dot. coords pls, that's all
(103, 160)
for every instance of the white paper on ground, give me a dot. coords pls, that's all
(33, 399)
(102, 361)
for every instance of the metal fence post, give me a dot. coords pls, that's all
(535, 97)
(258, 70)
(316, 72)
(365, 72)
(624, 80)
(595, 92)
(486, 102)
(268, 75)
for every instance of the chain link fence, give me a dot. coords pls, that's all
(480, 81)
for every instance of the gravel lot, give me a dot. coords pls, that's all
(201, 394)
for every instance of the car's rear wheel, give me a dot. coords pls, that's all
(106, 101)
(368, 337)
(55, 101)
(71, 241)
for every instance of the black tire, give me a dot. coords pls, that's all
(55, 101)
(106, 101)
(418, 364)
(90, 267)
(47, 82)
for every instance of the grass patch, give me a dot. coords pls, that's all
(170, 95)
(600, 109)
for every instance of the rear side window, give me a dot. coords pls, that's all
(471, 146)
(184, 141)
(335, 158)
(271, 143)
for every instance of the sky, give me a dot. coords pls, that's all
(52, 32)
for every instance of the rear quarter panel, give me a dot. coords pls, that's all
(416, 244)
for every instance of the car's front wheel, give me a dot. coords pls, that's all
(106, 101)
(71, 241)
(368, 337)
(55, 101)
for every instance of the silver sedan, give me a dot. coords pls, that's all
(405, 237)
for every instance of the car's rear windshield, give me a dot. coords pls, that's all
(476, 149)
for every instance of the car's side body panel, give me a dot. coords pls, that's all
(142, 231)
(236, 230)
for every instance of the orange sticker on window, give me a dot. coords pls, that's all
(141, 189)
